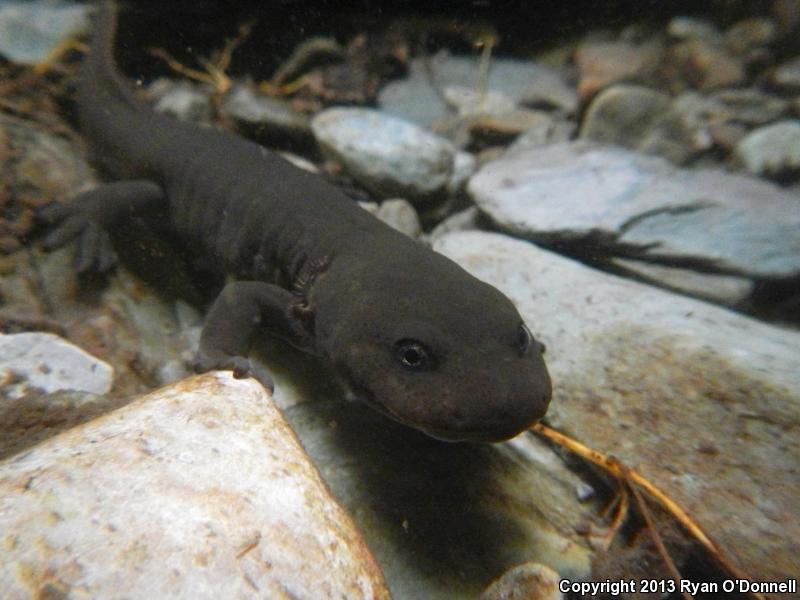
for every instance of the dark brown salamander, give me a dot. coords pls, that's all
(407, 330)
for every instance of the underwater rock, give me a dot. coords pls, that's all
(40, 162)
(787, 74)
(749, 34)
(462, 220)
(36, 166)
(387, 155)
(503, 127)
(31, 30)
(182, 100)
(415, 98)
(748, 106)
(400, 215)
(548, 130)
(618, 203)
(471, 102)
(548, 91)
(771, 150)
(704, 65)
(702, 401)
(623, 115)
(602, 63)
(690, 28)
(464, 165)
(30, 419)
(199, 489)
(647, 120)
(45, 363)
(530, 581)
(723, 289)
(259, 115)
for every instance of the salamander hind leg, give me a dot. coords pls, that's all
(241, 309)
(90, 215)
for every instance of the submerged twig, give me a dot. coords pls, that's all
(656, 536)
(635, 480)
(215, 69)
(487, 43)
(57, 53)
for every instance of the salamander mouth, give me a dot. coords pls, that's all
(486, 434)
(445, 434)
(490, 434)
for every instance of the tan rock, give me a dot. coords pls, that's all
(602, 63)
(198, 490)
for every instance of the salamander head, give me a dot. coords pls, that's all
(449, 356)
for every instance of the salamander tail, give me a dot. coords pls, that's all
(100, 83)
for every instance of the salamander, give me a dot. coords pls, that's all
(406, 330)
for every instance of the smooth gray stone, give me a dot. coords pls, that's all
(641, 207)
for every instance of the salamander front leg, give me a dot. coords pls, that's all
(241, 309)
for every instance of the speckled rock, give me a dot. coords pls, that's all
(30, 30)
(29, 420)
(702, 401)
(642, 207)
(386, 154)
(46, 363)
(197, 490)
(772, 149)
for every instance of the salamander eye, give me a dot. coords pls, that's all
(524, 339)
(413, 355)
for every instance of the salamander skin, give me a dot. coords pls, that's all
(405, 329)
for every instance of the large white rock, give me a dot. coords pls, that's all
(198, 490)
(703, 401)
(47, 362)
